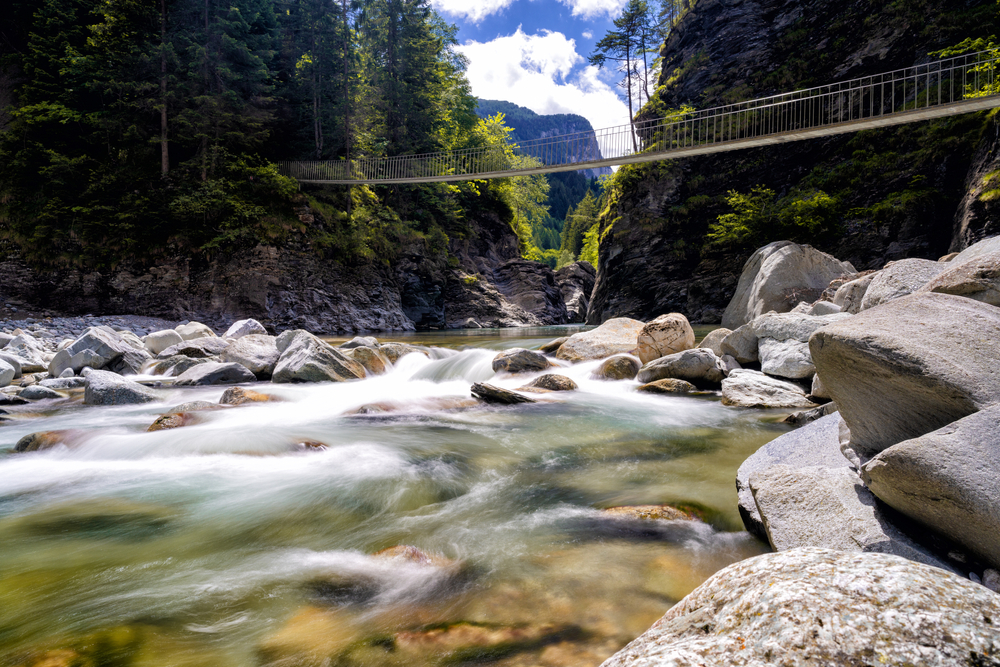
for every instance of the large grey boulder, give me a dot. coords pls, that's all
(98, 347)
(741, 344)
(779, 276)
(158, 341)
(196, 348)
(37, 392)
(814, 445)
(700, 367)
(256, 352)
(29, 353)
(783, 342)
(828, 508)
(6, 373)
(520, 360)
(374, 362)
(618, 367)
(977, 278)
(947, 480)
(745, 388)
(909, 367)
(576, 282)
(713, 341)
(13, 361)
(194, 330)
(978, 249)
(899, 279)
(820, 607)
(667, 334)
(242, 328)
(213, 373)
(359, 341)
(4, 339)
(489, 393)
(616, 336)
(107, 388)
(177, 364)
(306, 358)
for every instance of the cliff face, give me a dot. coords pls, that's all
(898, 191)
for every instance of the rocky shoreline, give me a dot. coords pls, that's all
(888, 492)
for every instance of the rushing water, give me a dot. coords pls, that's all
(221, 543)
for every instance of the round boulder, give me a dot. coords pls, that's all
(668, 386)
(619, 367)
(667, 334)
(519, 360)
(617, 336)
(552, 382)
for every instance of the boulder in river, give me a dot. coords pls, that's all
(667, 334)
(177, 364)
(243, 328)
(699, 366)
(828, 508)
(947, 480)
(492, 394)
(552, 382)
(576, 282)
(194, 330)
(256, 352)
(374, 362)
(713, 341)
(158, 341)
(746, 388)
(14, 362)
(396, 351)
(809, 416)
(901, 370)
(38, 442)
(107, 388)
(789, 608)
(553, 345)
(29, 353)
(520, 360)
(242, 396)
(359, 341)
(779, 276)
(618, 367)
(214, 373)
(741, 345)
(172, 420)
(899, 279)
(6, 373)
(616, 336)
(197, 348)
(816, 444)
(306, 358)
(37, 392)
(668, 386)
(977, 278)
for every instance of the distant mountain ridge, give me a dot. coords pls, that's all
(529, 125)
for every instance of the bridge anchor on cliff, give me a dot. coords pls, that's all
(948, 87)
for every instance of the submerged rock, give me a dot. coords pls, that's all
(618, 367)
(173, 420)
(242, 395)
(649, 513)
(553, 382)
(789, 608)
(38, 442)
(668, 386)
(492, 394)
(617, 336)
(373, 361)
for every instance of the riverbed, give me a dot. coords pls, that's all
(249, 538)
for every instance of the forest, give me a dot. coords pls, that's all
(135, 130)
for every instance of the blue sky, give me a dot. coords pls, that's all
(534, 53)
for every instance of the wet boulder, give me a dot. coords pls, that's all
(374, 362)
(616, 336)
(699, 366)
(306, 358)
(789, 608)
(576, 282)
(107, 388)
(553, 345)
(900, 278)
(752, 389)
(158, 341)
(256, 352)
(213, 373)
(396, 351)
(359, 341)
(177, 364)
(38, 442)
(242, 396)
(520, 360)
(243, 328)
(667, 334)
(668, 386)
(172, 420)
(947, 480)
(37, 392)
(909, 367)
(489, 393)
(552, 382)
(618, 367)
(779, 276)
(194, 330)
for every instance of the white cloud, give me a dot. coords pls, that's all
(589, 9)
(587, 34)
(544, 73)
(473, 10)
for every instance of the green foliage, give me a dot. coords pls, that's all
(759, 217)
(591, 245)
(578, 221)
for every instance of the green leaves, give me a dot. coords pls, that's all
(759, 217)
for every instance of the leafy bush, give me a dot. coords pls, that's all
(759, 217)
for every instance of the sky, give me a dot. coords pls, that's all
(534, 53)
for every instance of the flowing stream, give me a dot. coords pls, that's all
(228, 543)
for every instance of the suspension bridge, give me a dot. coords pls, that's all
(957, 85)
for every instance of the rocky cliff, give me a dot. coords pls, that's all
(913, 191)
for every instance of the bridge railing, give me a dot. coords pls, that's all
(940, 83)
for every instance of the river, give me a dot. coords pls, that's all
(221, 543)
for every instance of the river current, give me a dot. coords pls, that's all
(227, 543)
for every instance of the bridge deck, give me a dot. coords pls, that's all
(960, 85)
